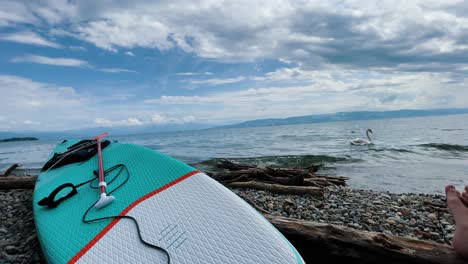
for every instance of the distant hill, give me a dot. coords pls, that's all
(143, 129)
(114, 131)
(346, 116)
(18, 139)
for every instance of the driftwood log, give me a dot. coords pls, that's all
(17, 182)
(10, 170)
(316, 241)
(278, 188)
(230, 170)
(226, 164)
(258, 174)
(280, 180)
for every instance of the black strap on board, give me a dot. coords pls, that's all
(78, 152)
(50, 201)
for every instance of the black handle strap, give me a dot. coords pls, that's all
(50, 200)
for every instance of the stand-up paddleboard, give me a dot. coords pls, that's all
(164, 211)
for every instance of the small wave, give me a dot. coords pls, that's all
(297, 137)
(293, 160)
(446, 147)
(452, 129)
(7, 153)
(390, 149)
(288, 136)
(154, 146)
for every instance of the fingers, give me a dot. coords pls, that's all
(466, 188)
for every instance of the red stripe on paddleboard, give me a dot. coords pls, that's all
(124, 212)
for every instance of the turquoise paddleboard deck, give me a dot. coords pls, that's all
(164, 211)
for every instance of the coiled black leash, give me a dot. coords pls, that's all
(122, 168)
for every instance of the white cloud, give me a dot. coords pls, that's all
(308, 33)
(50, 107)
(131, 121)
(283, 74)
(139, 31)
(245, 31)
(69, 62)
(29, 122)
(40, 106)
(28, 37)
(182, 100)
(217, 81)
(26, 104)
(78, 48)
(116, 70)
(188, 119)
(193, 73)
(163, 119)
(37, 12)
(134, 121)
(154, 119)
(129, 53)
(326, 91)
(61, 32)
(158, 119)
(14, 12)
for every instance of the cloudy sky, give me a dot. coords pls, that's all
(73, 64)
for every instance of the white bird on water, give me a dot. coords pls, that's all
(362, 141)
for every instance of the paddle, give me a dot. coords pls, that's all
(104, 199)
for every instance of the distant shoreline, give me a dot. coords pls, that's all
(18, 139)
(346, 116)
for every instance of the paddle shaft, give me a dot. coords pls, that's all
(101, 166)
(102, 183)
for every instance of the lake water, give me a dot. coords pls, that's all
(420, 154)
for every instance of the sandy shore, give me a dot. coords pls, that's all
(408, 215)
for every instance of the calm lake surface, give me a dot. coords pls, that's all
(420, 154)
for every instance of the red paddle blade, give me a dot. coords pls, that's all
(99, 137)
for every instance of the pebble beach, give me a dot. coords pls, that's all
(420, 216)
(18, 239)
